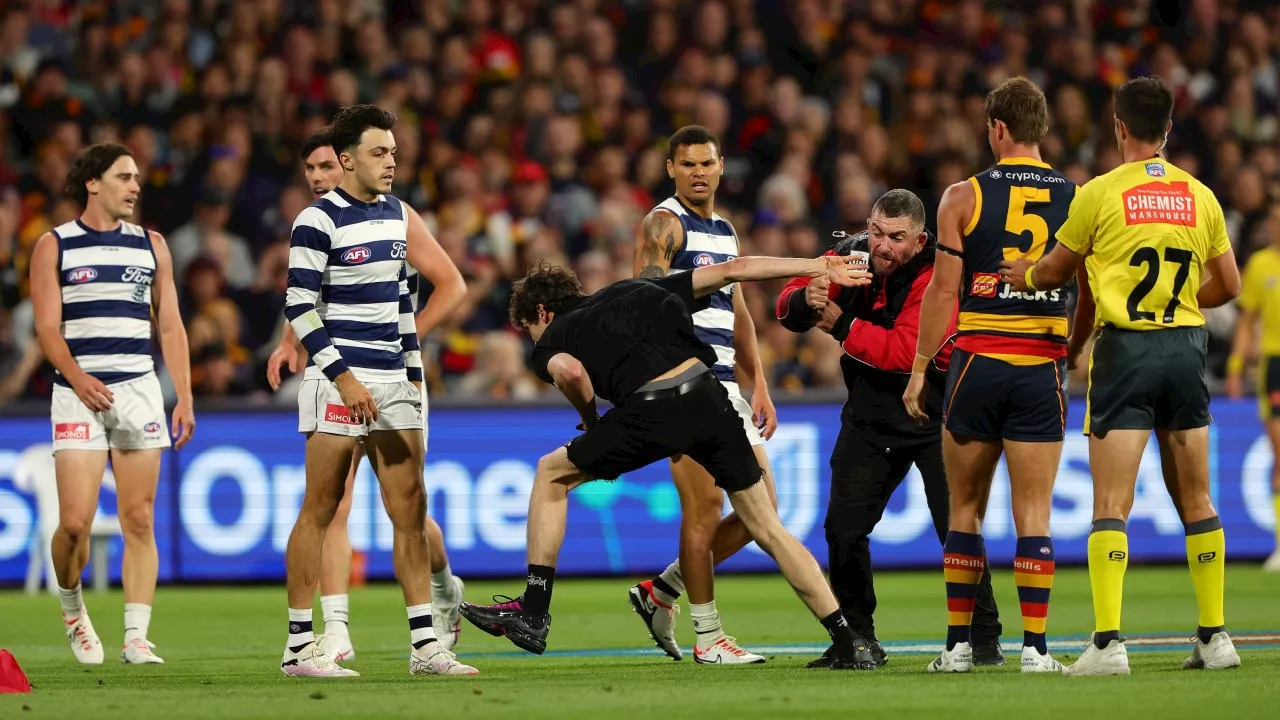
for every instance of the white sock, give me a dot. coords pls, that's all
(137, 619)
(420, 631)
(300, 629)
(706, 622)
(72, 602)
(672, 577)
(336, 616)
(442, 584)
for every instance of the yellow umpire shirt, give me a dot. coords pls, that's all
(1260, 294)
(1147, 228)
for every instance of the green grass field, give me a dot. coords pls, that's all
(222, 647)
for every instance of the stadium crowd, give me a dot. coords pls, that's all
(531, 129)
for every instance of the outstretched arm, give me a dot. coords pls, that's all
(840, 270)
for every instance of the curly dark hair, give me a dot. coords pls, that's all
(545, 284)
(95, 162)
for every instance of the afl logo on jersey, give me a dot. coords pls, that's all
(703, 260)
(81, 275)
(1155, 169)
(356, 255)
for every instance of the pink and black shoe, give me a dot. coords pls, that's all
(507, 617)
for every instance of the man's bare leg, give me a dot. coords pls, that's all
(335, 569)
(1185, 461)
(970, 463)
(397, 459)
(706, 539)
(328, 457)
(79, 477)
(801, 570)
(1033, 467)
(137, 475)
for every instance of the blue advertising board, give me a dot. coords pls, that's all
(227, 501)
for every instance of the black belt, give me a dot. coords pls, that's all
(674, 391)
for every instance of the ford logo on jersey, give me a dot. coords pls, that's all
(703, 260)
(81, 275)
(356, 255)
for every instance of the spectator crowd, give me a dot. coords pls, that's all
(536, 128)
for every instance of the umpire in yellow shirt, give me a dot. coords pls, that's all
(1148, 233)
(1259, 305)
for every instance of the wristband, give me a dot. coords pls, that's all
(920, 370)
(1027, 279)
(1235, 364)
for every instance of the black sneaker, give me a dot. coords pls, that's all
(825, 661)
(877, 652)
(988, 653)
(860, 659)
(509, 618)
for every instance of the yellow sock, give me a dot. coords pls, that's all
(1276, 500)
(1108, 559)
(1206, 556)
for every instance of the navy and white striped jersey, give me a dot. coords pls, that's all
(348, 299)
(106, 299)
(707, 242)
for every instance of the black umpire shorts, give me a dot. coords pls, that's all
(700, 423)
(990, 399)
(1147, 379)
(1269, 387)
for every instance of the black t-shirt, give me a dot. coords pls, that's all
(627, 334)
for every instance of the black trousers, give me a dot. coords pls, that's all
(864, 474)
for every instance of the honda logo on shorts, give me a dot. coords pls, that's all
(71, 431)
(356, 255)
(81, 275)
(335, 413)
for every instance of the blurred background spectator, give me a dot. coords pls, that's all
(531, 129)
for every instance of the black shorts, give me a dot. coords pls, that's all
(1269, 387)
(991, 399)
(701, 424)
(1145, 380)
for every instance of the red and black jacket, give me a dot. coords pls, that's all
(878, 330)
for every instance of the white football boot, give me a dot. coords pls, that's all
(725, 651)
(1273, 563)
(1111, 660)
(84, 640)
(446, 619)
(660, 619)
(958, 659)
(1218, 654)
(335, 647)
(1034, 662)
(431, 659)
(311, 662)
(139, 652)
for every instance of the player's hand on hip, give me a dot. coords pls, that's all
(184, 424)
(913, 398)
(357, 399)
(93, 393)
(830, 314)
(763, 413)
(285, 353)
(1014, 272)
(847, 270)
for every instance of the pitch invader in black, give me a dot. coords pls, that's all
(633, 344)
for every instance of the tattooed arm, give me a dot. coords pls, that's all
(658, 240)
